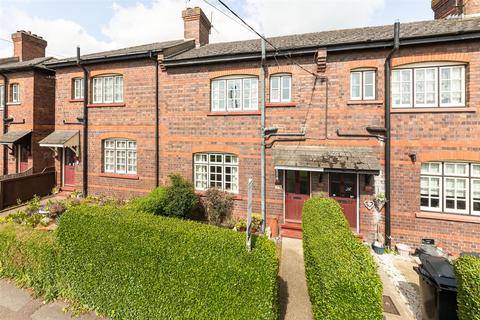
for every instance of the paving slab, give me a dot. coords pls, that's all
(13, 298)
(294, 299)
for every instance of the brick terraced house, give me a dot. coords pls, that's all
(334, 120)
(27, 105)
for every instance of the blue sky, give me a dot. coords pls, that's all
(106, 24)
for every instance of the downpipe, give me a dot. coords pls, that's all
(85, 124)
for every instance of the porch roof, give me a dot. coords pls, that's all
(322, 158)
(13, 136)
(61, 139)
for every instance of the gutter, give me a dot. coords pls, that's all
(154, 58)
(85, 123)
(387, 96)
(5, 115)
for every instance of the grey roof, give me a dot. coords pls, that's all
(13, 136)
(16, 65)
(58, 137)
(422, 29)
(326, 158)
(157, 46)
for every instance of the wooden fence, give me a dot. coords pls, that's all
(22, 187)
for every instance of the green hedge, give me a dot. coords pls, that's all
(153, 203)
(131, 265)
(30, 258)
(341, 275)
(467, 270)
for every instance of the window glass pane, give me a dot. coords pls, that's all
(2, 97)
(286, 88)
(356, 85)
(452, 86)
(475, 170)
(108, 90)
(97, 90)
(221, 171)
(118, 89)
(234, 94)
(402, 88)
(275, 89)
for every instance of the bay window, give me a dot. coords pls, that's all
(362, 85)
(108, 89)
(281, 88)
(120, 156)
(428, 86)
(216, 170)
(450, 187)
(234, 94)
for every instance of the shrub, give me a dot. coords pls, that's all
(467, 270)
(341, 275)
(33, 206)
(219, 206)
(153, 203)
(180, 197)
(131, 265)
(30, 258)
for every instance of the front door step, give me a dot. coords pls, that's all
(291, 230)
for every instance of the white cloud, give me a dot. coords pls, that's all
(161, 20)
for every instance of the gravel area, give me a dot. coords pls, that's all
(408, 291)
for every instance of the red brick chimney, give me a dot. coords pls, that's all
(196, 26)
(455, 8)
(27, 46)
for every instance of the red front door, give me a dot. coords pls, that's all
(69, 168)
(343, 188)
(297, 191)
(22, 158)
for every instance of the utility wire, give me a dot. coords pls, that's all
(226, 15)
(266, 40)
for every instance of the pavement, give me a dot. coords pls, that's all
(18, 304)
(294, 298)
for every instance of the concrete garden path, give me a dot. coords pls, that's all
(18, 304)
(294, 299)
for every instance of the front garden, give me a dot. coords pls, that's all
(142, 259)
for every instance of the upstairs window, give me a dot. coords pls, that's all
(15, 93)
(451, 187)
(235, 94)
(77, 92)
(281, 88)
(362, 85)
(216, 170)
(2, 97)
(120, 156)
(108, 89)
(429, 86)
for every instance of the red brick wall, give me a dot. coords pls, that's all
(134, 120)
(27, 46)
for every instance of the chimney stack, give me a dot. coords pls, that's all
(455, 8)
(196, 26)
(27, 46)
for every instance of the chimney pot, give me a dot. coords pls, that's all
(196, 26)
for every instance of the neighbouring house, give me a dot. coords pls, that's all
(27, 105)
(323, 91)
(121, 108)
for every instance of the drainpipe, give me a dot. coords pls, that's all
(5, 116)
(154, 58)
(388, 69)
(85, 123)
(263, 186)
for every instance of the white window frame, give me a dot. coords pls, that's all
(222, 98)
(99, 89)
(281, 88)
(363, 85)
(455, 197)
(127, 153)
(202, 167)
(15, 93)
(2, 97)
(425, 104)
(401, 92)
(427, 172)
(439, 66)
(78, 89)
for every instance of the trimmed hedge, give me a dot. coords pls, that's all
(153, 203)
(131, 265)
(467, 270)
(30, 258)
(341, 275)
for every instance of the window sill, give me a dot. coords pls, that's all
(13, 103)
(105, 105)
(119, 176)
(236, 197)
(448, 217)
(433, 110)
(242, 113)
(281, 105)
(75, 100)
(364, 102)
